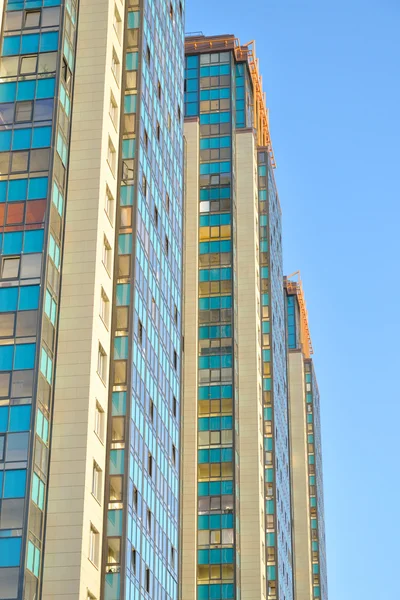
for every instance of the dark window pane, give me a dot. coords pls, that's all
(13, 20)
(10, 268)
(9, 583)
(31, 266)
(47, 62)
(12, 513)
(22, 382)
(9, 66)
(4, 162)
(43, 110)
(32, 18)
(15, 213)
(39, 160)
(28, 65)
(27, 323)
(35, 211)
(4, 385)
(122, 317)
(6, 113)
(23, 111)
(7, 324)
(17, 447)
(19, 162)
(50, 17)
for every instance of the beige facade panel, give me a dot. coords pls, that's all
(299, 470)
(252, 534)
(190, 379)
(73, 510)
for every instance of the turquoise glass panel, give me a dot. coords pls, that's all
(30, 43)
(37, 187)
(24, 356)
(14, 484)
(114, 522)
(6, 357)
(20, 417)
(17, 190)
(10, 550)
(112, 588)
(49, 41)
(33, 241)
(29, 297)
(8, 92)
(26, 90)
(117, 462)
(12, 243)
(8, 299)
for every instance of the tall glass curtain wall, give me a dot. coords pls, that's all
(140, 558)
(210, 93)
(317, 522)
(275, 394)
(36, 67)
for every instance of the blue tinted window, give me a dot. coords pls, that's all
(45, 88)
(14, 484)
(33, 241)
(26, 90)
(49, 41)
(12, 243)
(7, 92)
(8, 299)
(22, 139)
(11, 45)
(30, 43)
(24, 356)
(3, 420)
(6, 356)
(37, 187)
(17, 190)
(10, 550)
(28, 297)
(3, 191)
(5, 140)
(20, 417)
(41, 137)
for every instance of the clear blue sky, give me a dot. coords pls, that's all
(331, 73)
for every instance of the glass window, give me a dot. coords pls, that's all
(23, 111)
(22, 382)
(93, 545)
(14, 484)
(10, 268)
(12, 514)
(32, 18)
(31, 265)
(17, 447)
(9, 581)
(28, 65)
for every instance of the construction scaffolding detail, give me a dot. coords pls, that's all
(196, 44)
(296, 287)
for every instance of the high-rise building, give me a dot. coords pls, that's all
(91, 192)
(236, 492)
(310, 572)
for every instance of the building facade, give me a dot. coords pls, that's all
(310, 573)
(236, 499)
(92, 371)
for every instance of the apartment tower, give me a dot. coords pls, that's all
(310, 571)
(91, 192)
(236, 496)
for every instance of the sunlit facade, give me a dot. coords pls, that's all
(237, 542)
(93, 369)
(305, 440)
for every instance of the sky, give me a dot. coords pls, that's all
(331, 73)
